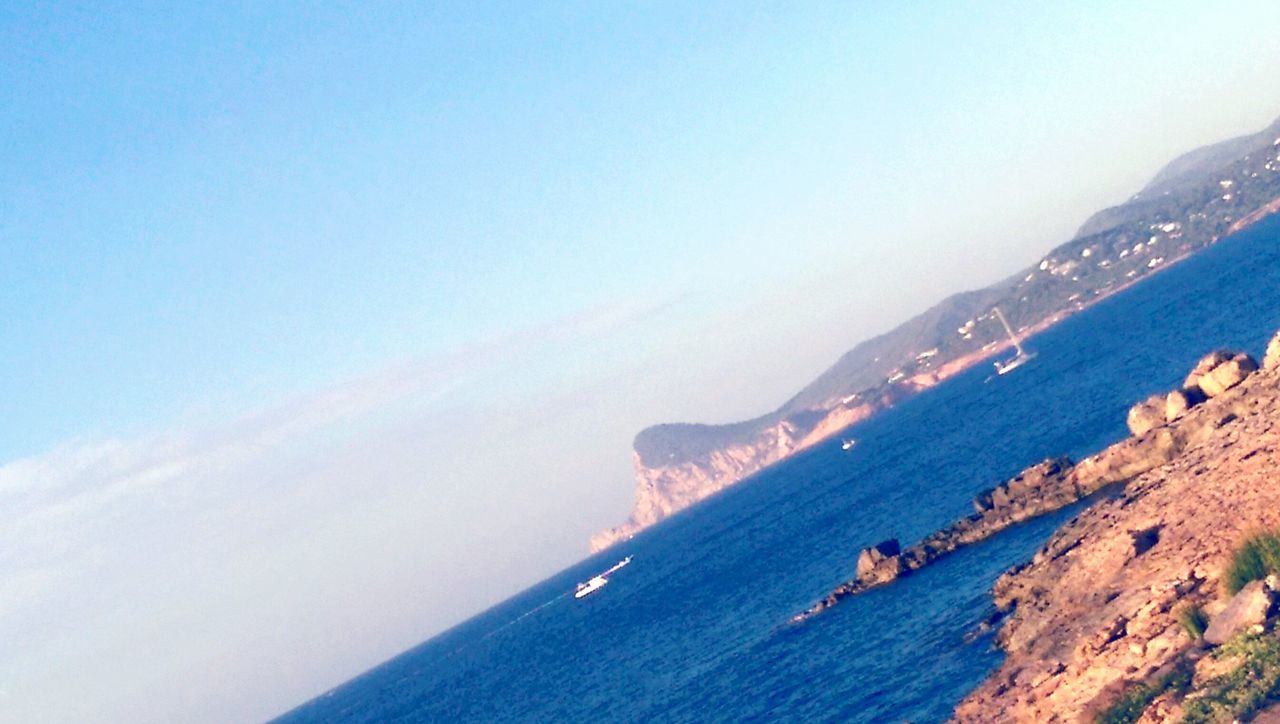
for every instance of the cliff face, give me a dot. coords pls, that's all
(1192, 203)
(662, 490)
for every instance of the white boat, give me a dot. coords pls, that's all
(591, 586)
(1023, 356)
(598, 581)
(848, 444)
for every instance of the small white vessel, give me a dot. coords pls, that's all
(1023, 356)
(598, 581)
(848, 444)
(591, 586)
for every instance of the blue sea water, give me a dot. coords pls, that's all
(695, 629)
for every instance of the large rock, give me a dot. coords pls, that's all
(1249, 607)
(880, 563)
(1272, 359)
(1206, 365)
(1147, 415)
(1178, 402)
(871, 557)
(1227, 375)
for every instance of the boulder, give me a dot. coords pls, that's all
(983, 502)
(1249, 607)
(1227, 375)
(1147, 415)
(1178, 402)
(1023, 485)
(1000, 497)
(1206, 365)
(885, 571)
(874, 557)
(1272, 359)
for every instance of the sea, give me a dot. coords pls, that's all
(696, 628)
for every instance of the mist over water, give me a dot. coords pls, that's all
(695, 629)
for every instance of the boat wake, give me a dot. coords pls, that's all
(592, 585)
(523, 616)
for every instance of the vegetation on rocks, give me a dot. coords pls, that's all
(1193, 620)
(1251, 683)
(1255, 559)
(1246, 689)
(1135, 701)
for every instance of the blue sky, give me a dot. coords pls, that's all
(379, 296)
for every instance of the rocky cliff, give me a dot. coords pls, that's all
(662, 490)
(1192, 203)
(1125, 614)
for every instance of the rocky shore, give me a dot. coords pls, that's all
(1104, 624)
(1122, 615)
(1160, 435)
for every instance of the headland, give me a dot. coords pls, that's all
(1190, 205)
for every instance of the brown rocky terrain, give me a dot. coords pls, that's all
(1095, 615)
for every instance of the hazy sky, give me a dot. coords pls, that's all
(325, 328)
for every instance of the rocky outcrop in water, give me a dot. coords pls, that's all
(1056, 483)
(880, 563)
(1042, 488)
(1093, 620)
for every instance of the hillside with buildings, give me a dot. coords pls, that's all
(1190, 204)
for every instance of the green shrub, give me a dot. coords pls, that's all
(1193, 620)
(1255, 559)
(1248, 688)
(1130, 707)
(1137, 698)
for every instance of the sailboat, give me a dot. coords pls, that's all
(1023, 356)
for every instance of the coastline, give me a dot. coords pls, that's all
(1098, 613)
(1029, 332)
(691, 482)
